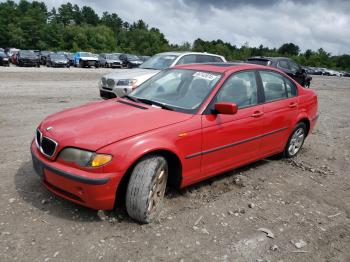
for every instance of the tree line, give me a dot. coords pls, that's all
(30, 25)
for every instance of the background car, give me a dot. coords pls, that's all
(57, 60)
(4, 59)
(287, 65)
(110, 60)
(130, 61)
(144, 58)
(27, 58)
(86, 59)
(119, 84)
(43, 57)
(70, 57)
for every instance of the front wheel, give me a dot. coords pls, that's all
(295, 141)
(146, 188)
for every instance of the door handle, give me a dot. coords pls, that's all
(257, 114)
(292, 105)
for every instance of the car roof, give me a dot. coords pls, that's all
(186, 53)
(267, 58)
(222, 67)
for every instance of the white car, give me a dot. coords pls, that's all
(119, 84)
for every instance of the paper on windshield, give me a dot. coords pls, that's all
(206, 76)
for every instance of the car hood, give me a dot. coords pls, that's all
(59, 60)
(135, 61)
(95, 125)
(112, 60)
(132, 73)
(89, 58)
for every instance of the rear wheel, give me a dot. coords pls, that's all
(295, 141)
(146, 188)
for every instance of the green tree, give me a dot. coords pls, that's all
(289, 49)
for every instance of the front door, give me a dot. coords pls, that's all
(233, 140)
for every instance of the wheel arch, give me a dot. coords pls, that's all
(306, 121)
(174, 167)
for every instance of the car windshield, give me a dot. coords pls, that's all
(159, 62)
(27, 54)
(112, 57)
(132, 57)
(85, 54)
(2, 54)
(58, 56)
(177, 89)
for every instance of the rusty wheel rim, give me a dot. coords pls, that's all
(157, 191)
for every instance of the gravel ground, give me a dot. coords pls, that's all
(304, 202)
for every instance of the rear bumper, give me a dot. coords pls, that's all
(313, 123)
(93, 190)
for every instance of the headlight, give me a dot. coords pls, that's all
(126, 82)
(84, 158)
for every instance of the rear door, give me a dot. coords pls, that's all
(232, 140)
(280, 110)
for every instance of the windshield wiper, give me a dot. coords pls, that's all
(151, 102)
(149, 68)
(134, 99)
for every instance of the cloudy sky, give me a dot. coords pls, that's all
(309, 24)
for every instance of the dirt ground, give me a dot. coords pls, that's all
(304, 202)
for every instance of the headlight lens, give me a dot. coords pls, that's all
(126, 82)
(84, 158)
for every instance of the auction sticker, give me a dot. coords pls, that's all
(206, 76)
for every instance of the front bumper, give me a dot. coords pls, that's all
(107, 94)
(93, 190)
(26, 62)
(60, 64)
(116, 91)
(90, 62)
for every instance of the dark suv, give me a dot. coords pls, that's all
(130, 61)
(286, 65)
(27, 58)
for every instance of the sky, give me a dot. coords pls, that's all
(310, 24)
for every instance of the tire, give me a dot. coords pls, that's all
(295, 141)
(81, 64)
(146, 188)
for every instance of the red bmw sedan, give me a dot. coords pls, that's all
(182, 126)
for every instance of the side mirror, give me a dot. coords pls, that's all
(226, 108)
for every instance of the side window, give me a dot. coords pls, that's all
(187, 59)
(283, 64)
(240, 89)
(274, 85)
(294, 67)
(217, 59)
(204, 59)
(291, 88)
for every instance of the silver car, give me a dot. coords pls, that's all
(121, 83)
(110, 60)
